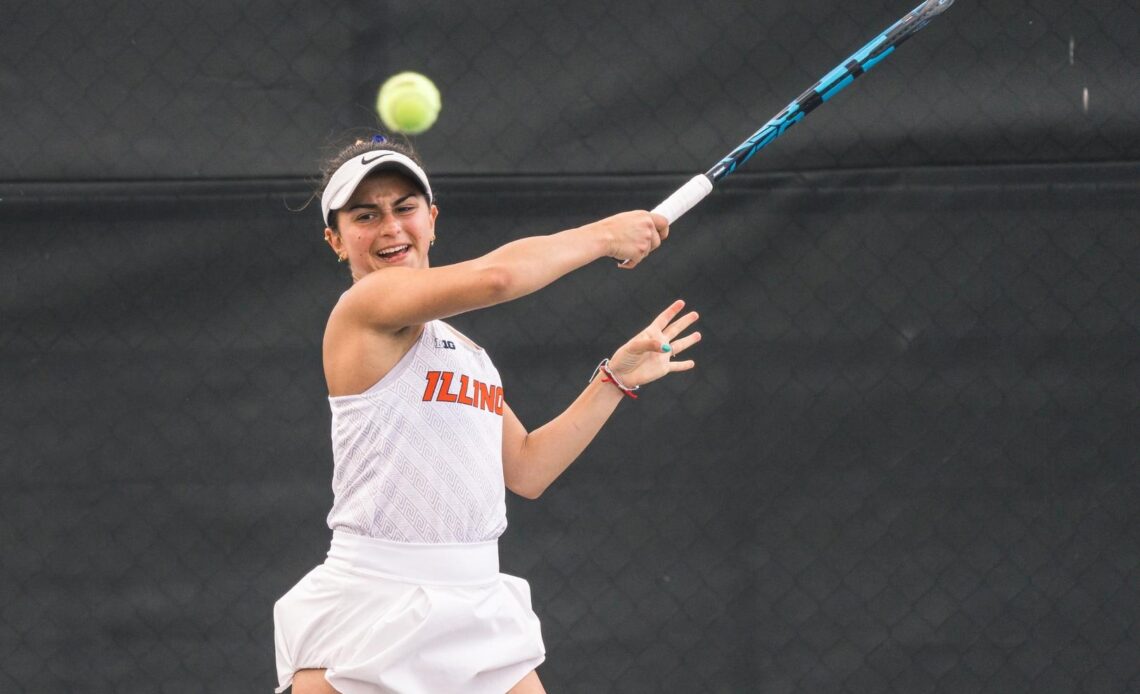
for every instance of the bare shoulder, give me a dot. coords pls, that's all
(357, 354)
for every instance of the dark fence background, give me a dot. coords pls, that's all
(139, 90)
(907, 460)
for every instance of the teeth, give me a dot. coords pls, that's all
(393, 251)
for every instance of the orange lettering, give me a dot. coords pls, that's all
(471, 392)
(483, 398)
(432, 382)
(463, 398)
(444, 394)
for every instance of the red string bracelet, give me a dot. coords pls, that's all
(609, 377)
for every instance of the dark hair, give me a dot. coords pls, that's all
(358, 147)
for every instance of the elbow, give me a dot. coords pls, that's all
(498, 284)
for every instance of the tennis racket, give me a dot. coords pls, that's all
(683, 199)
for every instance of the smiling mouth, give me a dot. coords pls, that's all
(393, 252)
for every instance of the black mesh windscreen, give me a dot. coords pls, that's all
(906, 460)
(132, 89)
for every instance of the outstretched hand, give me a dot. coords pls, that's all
(650, 354)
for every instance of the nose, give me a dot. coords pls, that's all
(389, 223)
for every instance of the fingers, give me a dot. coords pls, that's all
(665, 317)
(684, 343)
(641, 233)
(652, 354)
(652, 236)
(681, 324)
(675, 366)
(649, 343)
(660, 229)
(661, 224)
(634, 260)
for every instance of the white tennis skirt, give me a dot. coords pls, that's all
(385, 616)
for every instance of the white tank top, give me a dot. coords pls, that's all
(418, 457)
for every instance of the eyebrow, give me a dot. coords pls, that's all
(372, 206)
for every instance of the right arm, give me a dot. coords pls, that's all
(398, 297)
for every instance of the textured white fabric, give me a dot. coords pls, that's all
(418, 456)
(375, 632)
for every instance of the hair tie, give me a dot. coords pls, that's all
(379, 139)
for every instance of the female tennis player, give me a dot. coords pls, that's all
(410, 598)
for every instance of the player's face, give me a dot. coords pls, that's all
(386, 222)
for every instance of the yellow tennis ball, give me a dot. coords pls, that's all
(408, 103)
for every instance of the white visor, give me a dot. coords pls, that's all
(343, 183)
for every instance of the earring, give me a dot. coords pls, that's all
(432, 242)
(341, 258)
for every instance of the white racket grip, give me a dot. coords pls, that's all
(683, 199)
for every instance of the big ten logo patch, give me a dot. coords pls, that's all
(447, 386)
(444, 344)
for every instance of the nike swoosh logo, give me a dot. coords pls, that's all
(364, 161)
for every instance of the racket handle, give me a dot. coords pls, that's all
(683, 199)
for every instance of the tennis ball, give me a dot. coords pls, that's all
(408, 103)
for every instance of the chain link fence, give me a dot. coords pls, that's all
(129, 89)
(907, 460)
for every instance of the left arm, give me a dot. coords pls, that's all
(533, 460)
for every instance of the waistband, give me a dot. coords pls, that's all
(473, 563)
